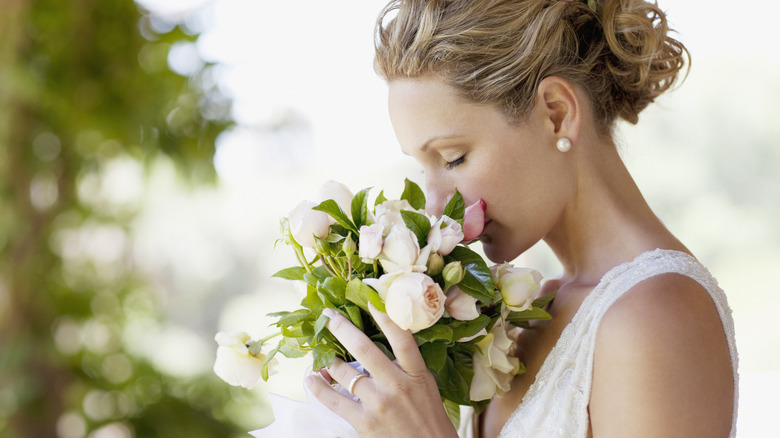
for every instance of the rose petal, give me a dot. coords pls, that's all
(474, 220)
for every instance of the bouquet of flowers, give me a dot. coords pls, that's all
(414, 267)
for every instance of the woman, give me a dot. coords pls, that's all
(514, 102)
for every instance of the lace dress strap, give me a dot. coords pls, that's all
(556, 404)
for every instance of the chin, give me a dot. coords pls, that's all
(497, 253)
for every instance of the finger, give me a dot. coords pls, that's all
(401, 341)
(359, 345)
(342, 405)
(325, 374)
(345, 373)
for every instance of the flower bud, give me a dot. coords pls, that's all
(305, 223)
(338, 192)
(461, 305)
(474, 220)
(321, 246)
(453, 273)
(349, 246)
(435, 264)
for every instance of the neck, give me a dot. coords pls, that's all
(607, 222)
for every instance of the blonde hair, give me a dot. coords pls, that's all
(497, 51)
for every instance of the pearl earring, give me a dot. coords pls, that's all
(563, 144)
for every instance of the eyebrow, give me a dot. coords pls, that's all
(425, 145)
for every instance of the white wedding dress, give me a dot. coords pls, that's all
(556, 404)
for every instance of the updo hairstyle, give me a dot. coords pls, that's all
(497, 51)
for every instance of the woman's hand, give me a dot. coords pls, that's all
(399, 399)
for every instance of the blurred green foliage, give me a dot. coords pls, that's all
(81, 87)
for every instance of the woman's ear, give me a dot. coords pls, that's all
(561, 106)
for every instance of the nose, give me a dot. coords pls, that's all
(438, 193)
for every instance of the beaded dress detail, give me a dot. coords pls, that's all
(556, 404)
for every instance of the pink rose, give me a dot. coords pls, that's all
(414, 301)
(461, 305)
(444, 235)
(474, 220)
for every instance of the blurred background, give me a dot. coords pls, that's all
(148, 150)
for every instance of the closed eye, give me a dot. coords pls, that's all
(452, 164)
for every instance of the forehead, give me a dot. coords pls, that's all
(424, 108)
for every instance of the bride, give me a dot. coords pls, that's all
(514, 102)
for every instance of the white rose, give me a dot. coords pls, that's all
(494, 367)
(305, 223)
(235, 364)
(388, 213)
(338, 192)
(517, 285)
(461, 305)
(444, 235)
(414, 301)
(400, 250)
(370, 241)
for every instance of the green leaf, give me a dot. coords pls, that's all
(544, 300)
(419, 224)
(464, 329)
(332, 208)
(264, 370)
(322, 321)
(313, 300)
(435, 355)
(436, 332)
(333, 288)
(291, 318)
(453, 411)
(528, 315)
(413, 194)
(355, 315)
(455, 208)
(293, 273)
(360, 208)
(292, 349)
(361, 294)
(385, 350)
(380, 198)
(477, 281)
(323, 355)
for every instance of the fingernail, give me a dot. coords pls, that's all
(330, 313)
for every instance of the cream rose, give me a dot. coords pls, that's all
(494, 367)
(461, 305)
(235, 364)
(388, 213)
(517, 285)
(338, 192)
(400, 250)
(414, 301)
(305, 223)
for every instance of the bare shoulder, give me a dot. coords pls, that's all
(661, 364)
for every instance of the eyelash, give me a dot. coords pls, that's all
(452, 164)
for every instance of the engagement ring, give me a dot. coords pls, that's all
(352, 383)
